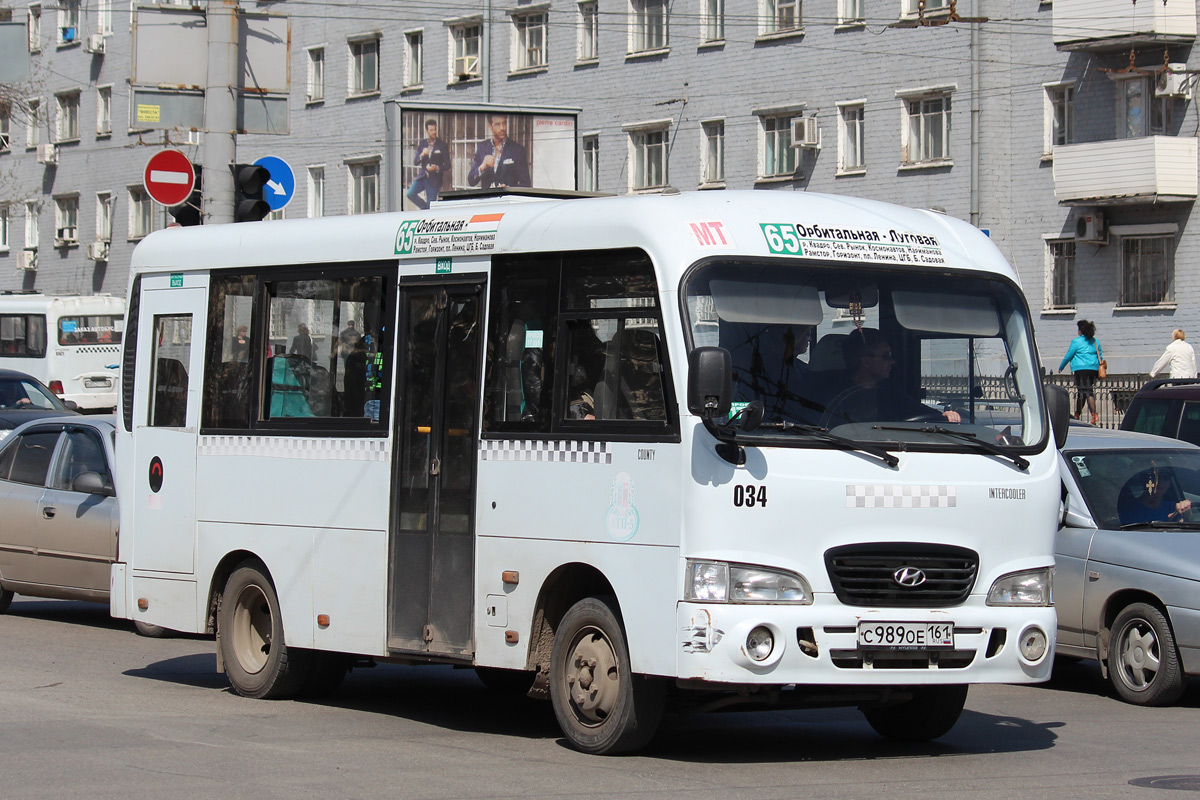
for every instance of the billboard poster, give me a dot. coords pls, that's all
(451, 149)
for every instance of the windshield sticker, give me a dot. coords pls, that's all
(852, 244)
(1081, 466)
(448, 235)
(711, 234)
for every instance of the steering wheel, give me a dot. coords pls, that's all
(928, 415)
(832, 411)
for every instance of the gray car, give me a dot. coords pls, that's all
(1127, 583)
(59, 536)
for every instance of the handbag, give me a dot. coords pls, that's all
(1103, 371)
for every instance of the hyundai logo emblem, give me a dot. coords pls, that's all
(909, 577)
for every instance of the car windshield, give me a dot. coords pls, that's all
(885, 356)
(23, 393)
(1134, 487)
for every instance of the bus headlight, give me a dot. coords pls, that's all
(719, 582)
(1033, 587)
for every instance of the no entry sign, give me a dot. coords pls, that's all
(169, 177)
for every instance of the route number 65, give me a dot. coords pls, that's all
(781, 237)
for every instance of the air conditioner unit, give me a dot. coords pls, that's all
(806, 132)
(94, 43)
(1089, 227)
(27, 259)
(97, 251)
(47, 154)
(1172, 82)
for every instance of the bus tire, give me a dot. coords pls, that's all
(150, 631)
(250, 628)
(6, 598)
(1143, 662)
(930, 713)
(601, 706)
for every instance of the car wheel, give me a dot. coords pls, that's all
(601, 706)
(5, 600)
(1143, 663)
(250, 636)
(150, 631)
(930, 713)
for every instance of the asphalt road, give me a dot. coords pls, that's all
(90, 710)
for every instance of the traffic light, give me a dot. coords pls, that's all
(189, 211)
(249, 180)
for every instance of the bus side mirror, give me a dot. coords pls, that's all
(1058, 403)
(710, 381)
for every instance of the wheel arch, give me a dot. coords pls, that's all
(1113, 606)
(565, 586)
(220, 576)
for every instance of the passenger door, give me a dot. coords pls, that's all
(431, 570)
(24, 465)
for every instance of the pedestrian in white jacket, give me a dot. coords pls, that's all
(1179, 356)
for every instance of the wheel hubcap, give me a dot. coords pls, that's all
(1139, 655)
(252, 629)
(593, 679)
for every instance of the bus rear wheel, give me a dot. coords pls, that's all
(601, 706)
(250, 636)
(930, 713)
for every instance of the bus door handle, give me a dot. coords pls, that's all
(48, 512)
(435, 466)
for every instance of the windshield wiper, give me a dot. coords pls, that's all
(817, 432)
(982, 445)
(1163, 524)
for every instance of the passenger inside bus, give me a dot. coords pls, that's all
(767, 366)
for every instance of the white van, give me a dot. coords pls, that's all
(71, 344)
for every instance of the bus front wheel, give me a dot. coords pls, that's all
(930, 713)
(250, 635)
(601, 706)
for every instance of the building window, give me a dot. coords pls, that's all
(33, 122)
(32, 238)
(66, 220)
(1140, 112)
(35, 28)
(591, 163)
(529, 41)
(104, 111)
(712, 20)
(1060, 116)
(649, 158)
(316, 74)
(1147, 270)
(414, 58)
(712, 156)
(104, 216)
(364, 66)
(648, 25)
(780, 16)
(68, 21)
(104, 16)
(364, 187)
(66, 125)
(464, 53)
(852, 150)
(1060, 288)
(911, 8)
(316, 191)
(850, 12)
(5, 215)
(141, 213)
(778, 155)
(926, 133)
(5, 126)
(589, 32)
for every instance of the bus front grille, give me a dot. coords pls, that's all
(902, 574)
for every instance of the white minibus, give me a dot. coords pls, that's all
(70, 343)
(692, 450)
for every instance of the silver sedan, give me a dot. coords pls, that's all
(1127, 583)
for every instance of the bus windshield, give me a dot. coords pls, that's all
(94, 329)
(879, 355)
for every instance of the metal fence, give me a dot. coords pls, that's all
(1113, 394)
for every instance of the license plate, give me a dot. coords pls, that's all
(905, 635)
(100, 383)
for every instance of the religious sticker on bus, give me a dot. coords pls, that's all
(448, 235)
(852, 244)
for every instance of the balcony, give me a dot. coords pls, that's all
(1119, 24)
(1152, 169)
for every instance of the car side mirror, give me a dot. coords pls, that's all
(710, 381)
(1073, 518)
(1058, 403)
(91, 483)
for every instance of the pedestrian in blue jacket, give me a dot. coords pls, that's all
(1084, 356)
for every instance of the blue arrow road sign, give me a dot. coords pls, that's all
(282, 184)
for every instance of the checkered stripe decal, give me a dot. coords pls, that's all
(529, 450)
(96, 348)
(286, 447)
(889, 496)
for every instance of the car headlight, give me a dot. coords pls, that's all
(720, 582)
(1033, 587)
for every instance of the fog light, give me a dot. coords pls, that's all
(1033, 644)
(760, 643)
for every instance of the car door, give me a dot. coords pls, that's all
(77, 530)
(24, 465)
(1071, 549)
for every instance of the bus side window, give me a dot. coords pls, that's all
(227, 367)
(521, 341)
(172, 353)
(632, 385)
